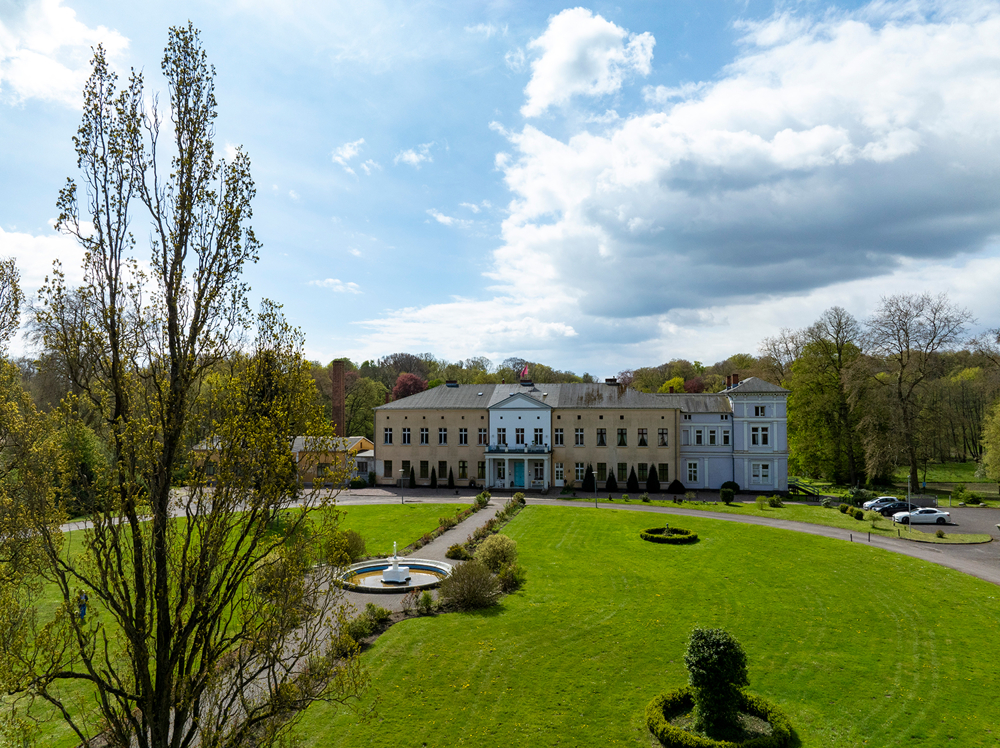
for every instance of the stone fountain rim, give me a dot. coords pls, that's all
(374, 564)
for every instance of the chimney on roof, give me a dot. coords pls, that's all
(611, 380)
(526, 383)
(729, 381)
(451, 383)
(503, 381)
(338, 411)
(388, 397)
(736, 379)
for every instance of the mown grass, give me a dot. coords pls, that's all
(859, 646)
(379, 525)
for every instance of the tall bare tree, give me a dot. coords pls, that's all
(11, 299)
(211, 607)
(905, 334)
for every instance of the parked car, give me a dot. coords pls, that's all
(924, 515)
(879, 502)
(899, 506)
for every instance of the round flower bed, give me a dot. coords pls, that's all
(673, 535)
(667, 706)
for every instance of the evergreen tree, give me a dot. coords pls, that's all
(451, 478)
(589, 482)
(413, 477)
(611, 485)
(652, 480)
(633, 482)
(434, 478)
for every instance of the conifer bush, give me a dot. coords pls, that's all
(652, 480)
(451, 478)
(676, 487)
(632, 484)
(611, 484)
(434, 478)
(589, 481)
(717, 671)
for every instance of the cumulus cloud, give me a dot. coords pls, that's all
(337, 285)
(45, 52)
(447, 220)
(835, 156)
(346, 152)
(471, 206)
(369, 166)
(583, 54)
(34, 256)
(415, 156)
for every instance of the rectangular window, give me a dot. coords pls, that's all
(322, 468)
(539, 471)
(712, 437)
(210, 467)
(406, 436)
(692, 472)
(724, 417)
(518, 436)
(559, 471)
(539, 437)
(643, 441)
(661, 438)
(442, 436)
(579, 439)
(622, 471)
(699, 436)
(501, 436)
(463, 437)
(643, 471)
(602, 437)
(580, 471)
(406, 469)
(622, 437)
(484, 437)
(463, 469)
(760, 410)
(758, 436)
(687, 418)
(387, 469)
(387, 436)
(558, 438)
(482, 470)
(685, 437)
(663, 472)
(442, 471)
(425, 469)
(425, 436)
(760, 472)
(602, 471)
(501, 471)
(725, 437)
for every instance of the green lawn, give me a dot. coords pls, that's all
(942, 472)
(859, 646)
(380, 525)
(816, 515)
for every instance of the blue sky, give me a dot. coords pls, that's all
(597, 187)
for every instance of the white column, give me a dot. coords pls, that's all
(545, 472)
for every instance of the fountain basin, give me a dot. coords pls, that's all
(367, 576)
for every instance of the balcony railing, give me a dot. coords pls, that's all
(515, 449)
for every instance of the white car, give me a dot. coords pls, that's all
(926, 515)
(880, 501)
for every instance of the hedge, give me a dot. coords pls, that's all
(672, 535)
(668, 705)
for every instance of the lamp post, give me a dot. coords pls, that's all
(401, 479)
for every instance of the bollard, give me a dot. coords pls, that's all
(852, 537)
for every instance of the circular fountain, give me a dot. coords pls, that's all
(385, 575)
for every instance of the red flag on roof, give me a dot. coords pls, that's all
(524, 372)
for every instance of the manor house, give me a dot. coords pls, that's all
(538, 436)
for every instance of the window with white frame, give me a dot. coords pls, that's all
(463, 437)
(501, 436)
(760, 472)
(692, 472)
(662, 438)
(463, 469)
(699, 436)
(539, 471)
(643, 440)
(602, 437)
(759, 436)
(425, 436)
(442, 436)
(760, 411)
(559, 471)
(558, 437)
(622, 437)
(406, 436)
(482, 470)
(539, 437)
(579, 439)
(580, 471)
(501, 471)
(712, 437)
(484, 436)
(387, 436)
(687, 418)
(663, 472)
(725, 437)
(518, 436)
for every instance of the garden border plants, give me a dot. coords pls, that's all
(670, 704)
(670, 535)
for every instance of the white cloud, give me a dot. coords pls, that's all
(471, 206)
(516, 60)
(487, 29)
(337, 285)
(837, 158)
(45, 52)
(34, 256)
(447, 220)
(414, 157)
(583, 54)
(293, 194)
(369, 166)
(346, 152)
(355, 251)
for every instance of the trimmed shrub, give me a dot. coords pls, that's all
(371, 480)
(939, 534)
(669, 535)
(589, 481)
(425, 604)
(496, 552)
(676, 487)
(413, 477)
(859, 514)
(644, 498)
(458, 552)
(483, 499)
(446, 523)
(733, 485)
(358, 483)
(470, 586)
(775, 502)
(761, 502)
(519, 498)
(354, 545)
(667, 706)
(726, 495)
(345, 548)
(434, 478)
(632, 484)
(511, 577)
(843, 508)
(826, 502)
(625, 497)
(369, 622)
(652, 480)
(717, 671)
(611, 484)
(451, 478)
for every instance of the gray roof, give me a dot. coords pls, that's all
(755, 385)
(323, 444)
(574, 395)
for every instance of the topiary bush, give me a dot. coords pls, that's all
(717, 671)
(451, 478)
(457, 552)
(358, 483)
(672, 704)
(611, 484)
(726, 495)
(589, 481)
(859, 514)
(775, 502)
(676, 487)
(843, 508)
(470, 586)
(483, 499)
(732, 485)
(497, 551)
(669, 535)
(652, 480)
(761, 502)
(644, 498)
(632, 484)
(434, 478)
(425, 603)
(519, 498)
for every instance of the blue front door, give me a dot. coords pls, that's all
(519, 474)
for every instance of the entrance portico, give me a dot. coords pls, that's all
(510, 467)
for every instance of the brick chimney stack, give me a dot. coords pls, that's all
(337, 398)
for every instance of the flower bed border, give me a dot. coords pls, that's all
(670, 704)
(671, 535)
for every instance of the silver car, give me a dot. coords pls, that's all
(879, 502)
(926, 515)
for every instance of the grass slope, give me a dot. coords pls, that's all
(856, 644)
